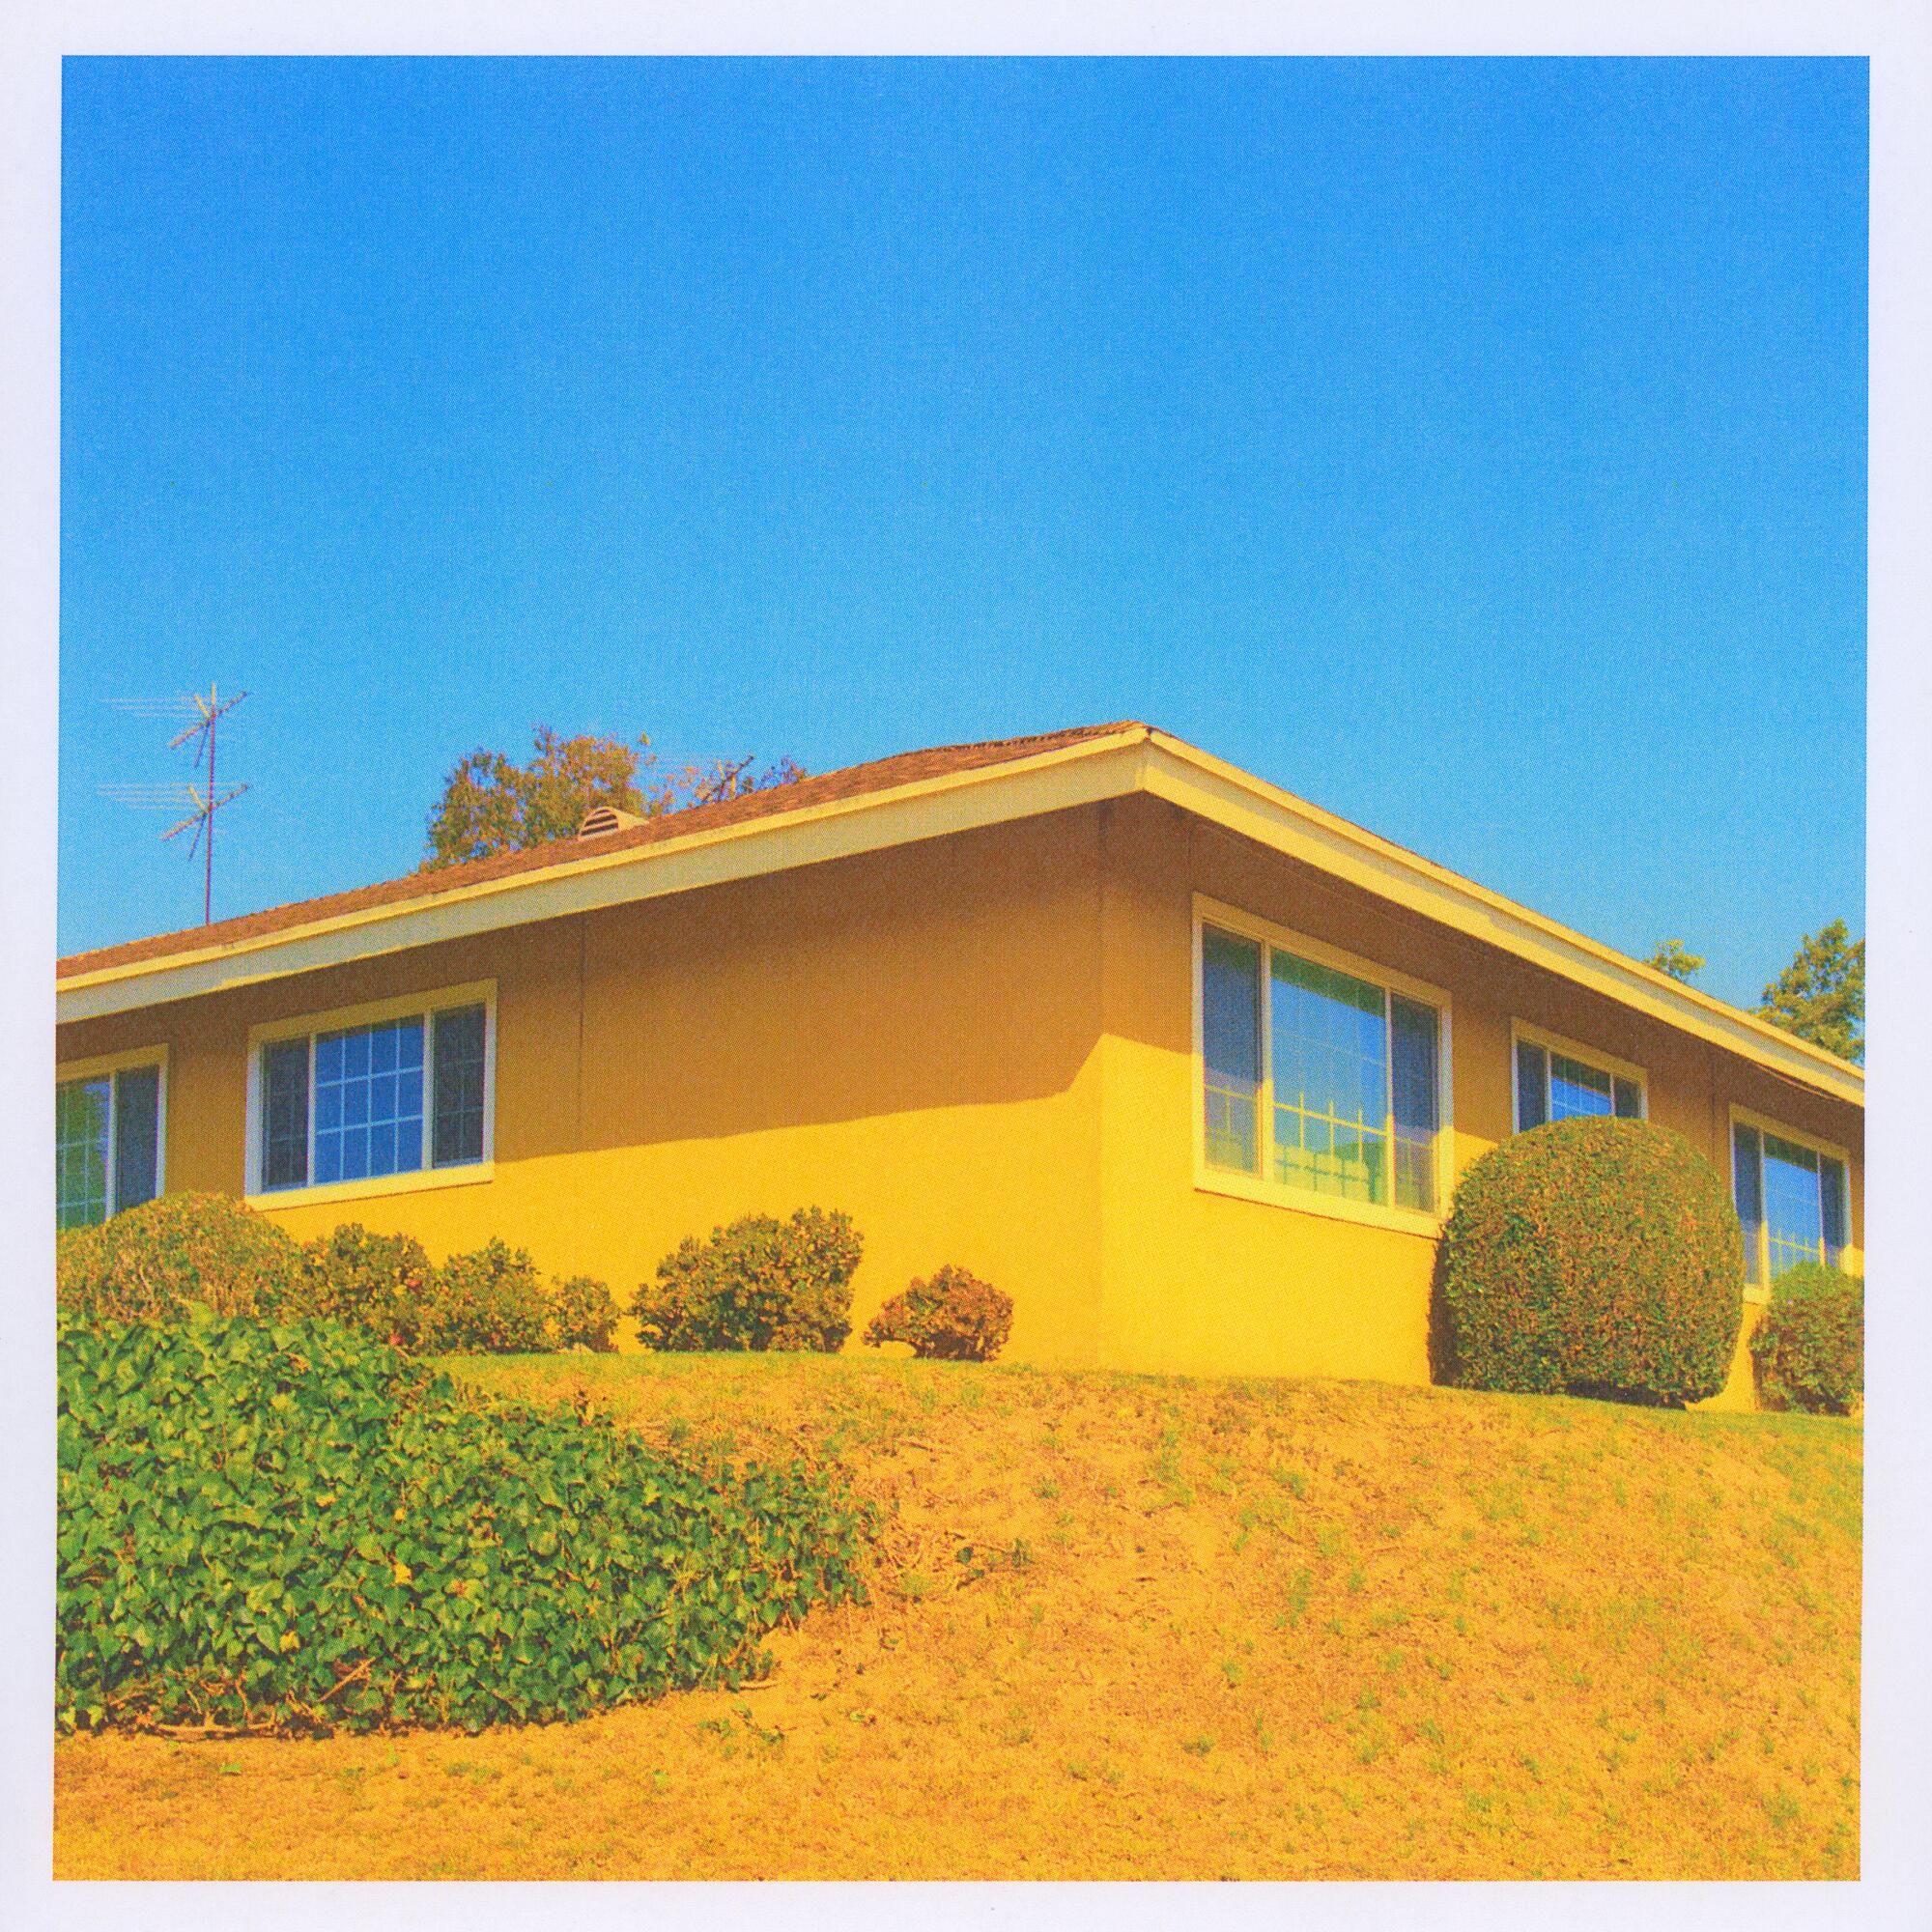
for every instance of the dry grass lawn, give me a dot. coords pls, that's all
(1258, 1630)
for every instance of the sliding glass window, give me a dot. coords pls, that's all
(1792, 1199)
(1328, 1087)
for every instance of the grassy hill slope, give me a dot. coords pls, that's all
(1269, 1630)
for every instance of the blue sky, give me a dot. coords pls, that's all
(1475, 447)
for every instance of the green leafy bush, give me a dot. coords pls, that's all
(955, 1316)
(582, 1315)
(294, 1528)
(151, 1262)
(759, 1284)
(489, 1302)
(1809, 1348)
(379, 1282)
(1592, 1256)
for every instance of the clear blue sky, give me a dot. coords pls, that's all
(1475, 447)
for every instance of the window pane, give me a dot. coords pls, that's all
(459, 1086)
(285, 1114)
(80, 1152)
(1792, 1212)
(1577, 1088)
(1831, 1192)
(1532, 1086)
(137, 1135)
(1413, 1044)
(368, 1111)
(1747, 1185)
(1231, 1048)
(1331, 1081)
(1630, 1100)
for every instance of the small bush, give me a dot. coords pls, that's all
(1591, 1256)
(379, 1282)
(582, 1315)
(759, 1284)
(292, 1527)
(486, 1303)
(153, 1261)
(1809, 1348)
(955, 1316)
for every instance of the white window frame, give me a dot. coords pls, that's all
(1571, 1049)
(1851, 1257)
(407, 1005)
(103, 1066)
(1262, 1186)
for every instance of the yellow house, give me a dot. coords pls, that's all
(1184, 1064)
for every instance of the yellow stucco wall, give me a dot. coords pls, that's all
(981, 1046)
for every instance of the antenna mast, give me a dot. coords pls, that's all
(202, 818)
(206, 712)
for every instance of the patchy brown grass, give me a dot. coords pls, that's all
(1254, 1630)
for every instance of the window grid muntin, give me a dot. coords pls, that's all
(1411, 1146)
(366, 1086)
(426, 1018)
(83, 1150)
(459, 1056)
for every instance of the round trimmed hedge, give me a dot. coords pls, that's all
(1809, 1348)
(156, 1261)
(1591, 1257)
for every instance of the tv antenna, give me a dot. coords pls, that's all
(202, 800)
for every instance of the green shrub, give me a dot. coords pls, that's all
(379, 1282)
(151, 1262)
(293, 1527)
(1595, 1256)
(955, 1316)
(759, 1284)
(582, 1315)
(1809, 1348)
(486, 1303)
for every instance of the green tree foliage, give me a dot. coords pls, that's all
(491, 804)
(955, 1316)
(1592, 1256)
(1821, 995)
(1810, 1349)
(1672, 957)
(276, 1528)
(759, 1284)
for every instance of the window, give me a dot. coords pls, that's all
(107, 1139)
(1558, 1079)
(1793, 1199)
(1316, 1079)
(372, 1094)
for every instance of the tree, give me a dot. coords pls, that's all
(491, 804)
(1821, 995)
(1672, 957)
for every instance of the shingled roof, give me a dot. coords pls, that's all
(877, 775)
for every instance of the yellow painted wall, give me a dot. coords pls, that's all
(981, 1046)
